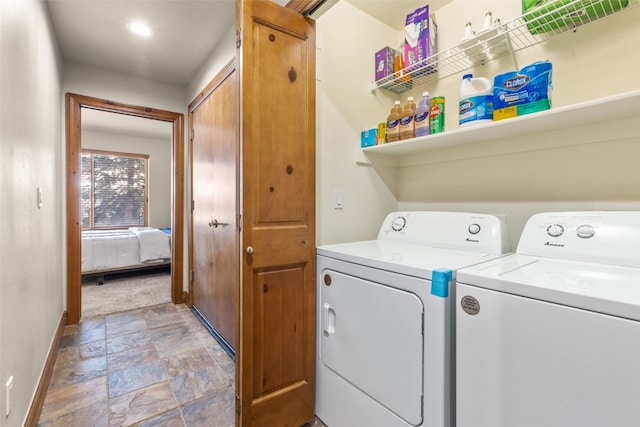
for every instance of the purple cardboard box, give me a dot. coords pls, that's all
(384, 62)
(419, 39)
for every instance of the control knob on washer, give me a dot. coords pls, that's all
(474, 228)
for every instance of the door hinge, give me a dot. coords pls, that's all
(191, 133)
(193, 205)
(191, 275)
(238, 39)
(239, 222)
(238, 407)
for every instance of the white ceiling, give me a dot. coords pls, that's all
(93, 32)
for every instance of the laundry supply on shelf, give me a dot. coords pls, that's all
(407, 124)
(368, 137)
(384, 62)
(420, 41)
(421, 117)
(393, 123)
(476, 100)
(436, 115)
(544, 16)
(382, 133)
(399, 66)
(517, 93)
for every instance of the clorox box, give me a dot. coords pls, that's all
(522, 92)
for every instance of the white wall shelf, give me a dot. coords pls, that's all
(520, 33)
(604, 110)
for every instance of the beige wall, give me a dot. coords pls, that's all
(596, 61)
(159, 151)
(31, 241)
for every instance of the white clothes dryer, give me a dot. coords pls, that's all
(385, 317)
(550, 336)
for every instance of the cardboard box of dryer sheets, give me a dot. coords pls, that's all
(419, 41)
(384, 62)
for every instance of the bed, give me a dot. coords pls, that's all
(111, 251)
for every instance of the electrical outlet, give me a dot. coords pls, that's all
(9, 398)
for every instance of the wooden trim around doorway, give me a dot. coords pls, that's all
(74, 105)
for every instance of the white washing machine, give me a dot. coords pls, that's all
(385, 314)
(550, 336)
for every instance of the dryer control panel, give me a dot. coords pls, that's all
(453, 230)
(599, 236)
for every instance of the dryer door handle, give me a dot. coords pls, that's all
(328, 320)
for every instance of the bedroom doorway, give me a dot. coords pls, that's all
(80, 109)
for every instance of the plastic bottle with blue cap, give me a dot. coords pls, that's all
(476, 100)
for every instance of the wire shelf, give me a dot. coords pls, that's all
(536, 26)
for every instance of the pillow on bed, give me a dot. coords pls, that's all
(154, 244)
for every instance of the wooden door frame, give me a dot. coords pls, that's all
(74, 104)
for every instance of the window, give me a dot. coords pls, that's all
(113, 189)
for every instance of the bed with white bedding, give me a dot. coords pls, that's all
(114, 250)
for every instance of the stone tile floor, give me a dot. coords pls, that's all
(146, 367)
(153, 366)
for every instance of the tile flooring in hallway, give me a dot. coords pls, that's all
(154, 366)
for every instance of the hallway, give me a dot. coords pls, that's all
(152, 366)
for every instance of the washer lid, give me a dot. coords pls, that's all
(602, 288)
(403, 258)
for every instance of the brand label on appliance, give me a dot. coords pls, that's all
(470, 305)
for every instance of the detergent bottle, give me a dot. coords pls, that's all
(407, 125)
(422, 115)
(476, 100)
(393, 123)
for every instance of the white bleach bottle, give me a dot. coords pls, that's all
(476, 100)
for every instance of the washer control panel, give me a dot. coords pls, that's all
(608, 236)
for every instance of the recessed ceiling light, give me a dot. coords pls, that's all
(139, 28)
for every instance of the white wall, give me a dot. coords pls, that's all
(347, 39)
(223, 53)
(159, 180)
(596, 61)
(90, 81)
(31, 300)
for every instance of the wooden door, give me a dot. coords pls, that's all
(276, 359)
(215, 233)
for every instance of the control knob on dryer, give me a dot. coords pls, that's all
(555, 230)
(398, 223)
(585, 231)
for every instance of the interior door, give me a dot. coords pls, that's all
(215, 233)
(275, 363)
